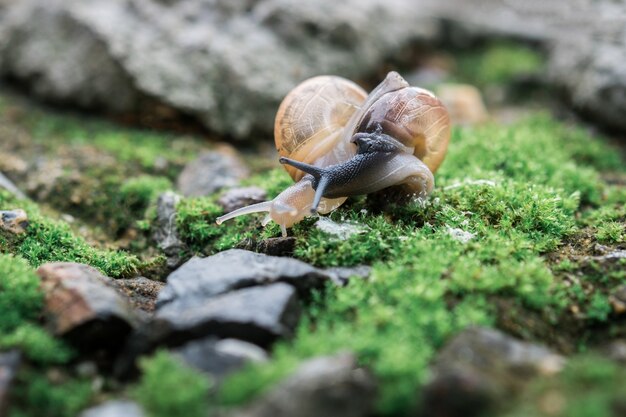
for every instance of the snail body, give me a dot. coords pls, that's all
(336, 141)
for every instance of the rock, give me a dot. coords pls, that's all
(142, 292)
(460, 235)
(164, 231)
(258, 315)
(274, 246)
(481, 368)
(82, 305)
(219, 357)
(14, 221)
(229, 63)
(9, 365)
(464, 102)
(240, 197)
(235, 268)
(115, 408)
(211, 171)
(331, 386)
(8, 185)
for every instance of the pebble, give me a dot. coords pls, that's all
(14, 221)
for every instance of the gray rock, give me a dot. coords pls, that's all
(258, 315)
(220, 357)
(240, 197)
(115, 408)
(211, 171)
(235, 268)
(164, 231)
(82, 305)
(9, 365)
(326, 386)
(229, 63)
(616, 350)
(14, 221)
(481, 368)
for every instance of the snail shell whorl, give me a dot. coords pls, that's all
(311, 119)
(416, 118)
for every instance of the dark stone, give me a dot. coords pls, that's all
(332, 386)
(164, 231)
(142, 292)
(240, 197)
(219, 357)
(114, 408)
(9, 365)
(234, 269)
(480, 369)
(258, 315)
(82, 305)
(616, 350)
(14, 221)
(211, 171)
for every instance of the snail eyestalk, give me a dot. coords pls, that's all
(265, 206)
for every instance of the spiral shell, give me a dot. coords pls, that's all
(316, 120)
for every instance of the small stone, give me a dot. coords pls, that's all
(341, 230)
(481, 368)
(211, 171)
(142, 292)
(240, 197)
(9, 364)
(258, 315)
(115, 408)
(83, 306)
(14, 221)
(460, 235)
(235, 268)
(464, 103)
(164, 231)
(333, 386)
(220, 357)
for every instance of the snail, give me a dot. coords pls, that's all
(336, 141)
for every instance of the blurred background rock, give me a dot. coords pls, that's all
(228, 63)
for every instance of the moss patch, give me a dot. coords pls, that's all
(518, 190)
(169, 388)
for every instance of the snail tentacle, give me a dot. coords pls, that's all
(254, 208)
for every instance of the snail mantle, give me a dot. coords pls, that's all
(337, 141)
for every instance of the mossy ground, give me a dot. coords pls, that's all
(537, 196)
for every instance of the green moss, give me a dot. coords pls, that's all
(20, 297)
(36, 395)
(168, 388)
(498, 63)
(517, 190)
(611, 232)
(589, 386)
(48, 240)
